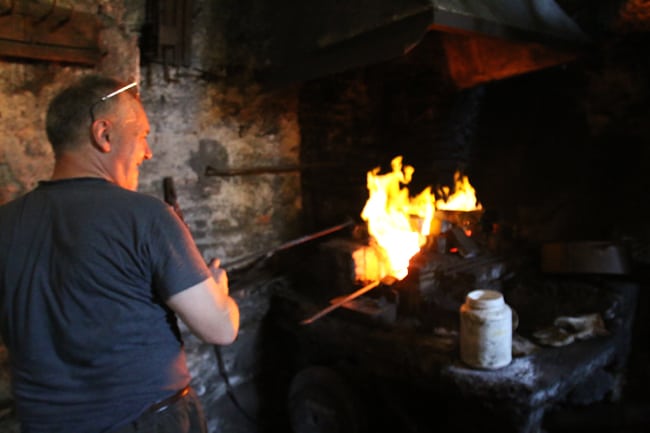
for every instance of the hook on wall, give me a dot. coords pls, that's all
(10, 10)
(47, 14)
(64, 20)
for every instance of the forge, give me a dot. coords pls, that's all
(388, 357)
(388, 360)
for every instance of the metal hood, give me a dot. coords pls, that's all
(528, 20)
(305, 40)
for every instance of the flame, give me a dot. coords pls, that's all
(397, 222)
(463, 198)
(400, 224)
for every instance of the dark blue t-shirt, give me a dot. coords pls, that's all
(85, 268)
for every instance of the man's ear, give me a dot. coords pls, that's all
(100, 135)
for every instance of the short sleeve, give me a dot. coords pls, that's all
(177, 262)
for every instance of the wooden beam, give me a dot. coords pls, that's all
(46, 32)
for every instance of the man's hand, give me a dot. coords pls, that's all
(219, 274)
(207, 309)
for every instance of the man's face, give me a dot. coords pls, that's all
(129, 143)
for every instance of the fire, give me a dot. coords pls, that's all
(463, 198)
(398, 223)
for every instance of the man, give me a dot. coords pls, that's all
(91, 274)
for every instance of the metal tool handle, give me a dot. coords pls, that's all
(169, 192)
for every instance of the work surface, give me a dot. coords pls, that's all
(427, 364)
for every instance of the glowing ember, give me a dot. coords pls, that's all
(463, 197)
(398, 223)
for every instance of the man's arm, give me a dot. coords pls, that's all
(207, 310)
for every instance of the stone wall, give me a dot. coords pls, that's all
(200, 115)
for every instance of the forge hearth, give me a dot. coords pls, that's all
(393, 352)
(452, 262)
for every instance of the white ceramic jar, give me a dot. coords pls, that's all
(485, 330)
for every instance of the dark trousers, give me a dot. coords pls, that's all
(184, 415)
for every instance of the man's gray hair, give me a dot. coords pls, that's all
(69, 114)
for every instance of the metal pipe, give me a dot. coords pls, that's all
(244, 171)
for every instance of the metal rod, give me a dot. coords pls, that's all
(301, 240)
(312, 236)
(340, 302)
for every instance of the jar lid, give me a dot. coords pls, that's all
(485, 299)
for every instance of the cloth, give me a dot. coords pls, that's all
(567, 329)
(85, 267)
(183, 416)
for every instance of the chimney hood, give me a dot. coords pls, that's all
(306, 40)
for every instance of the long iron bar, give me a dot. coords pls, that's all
(249, 258)
(340, 302)
(244, 171)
